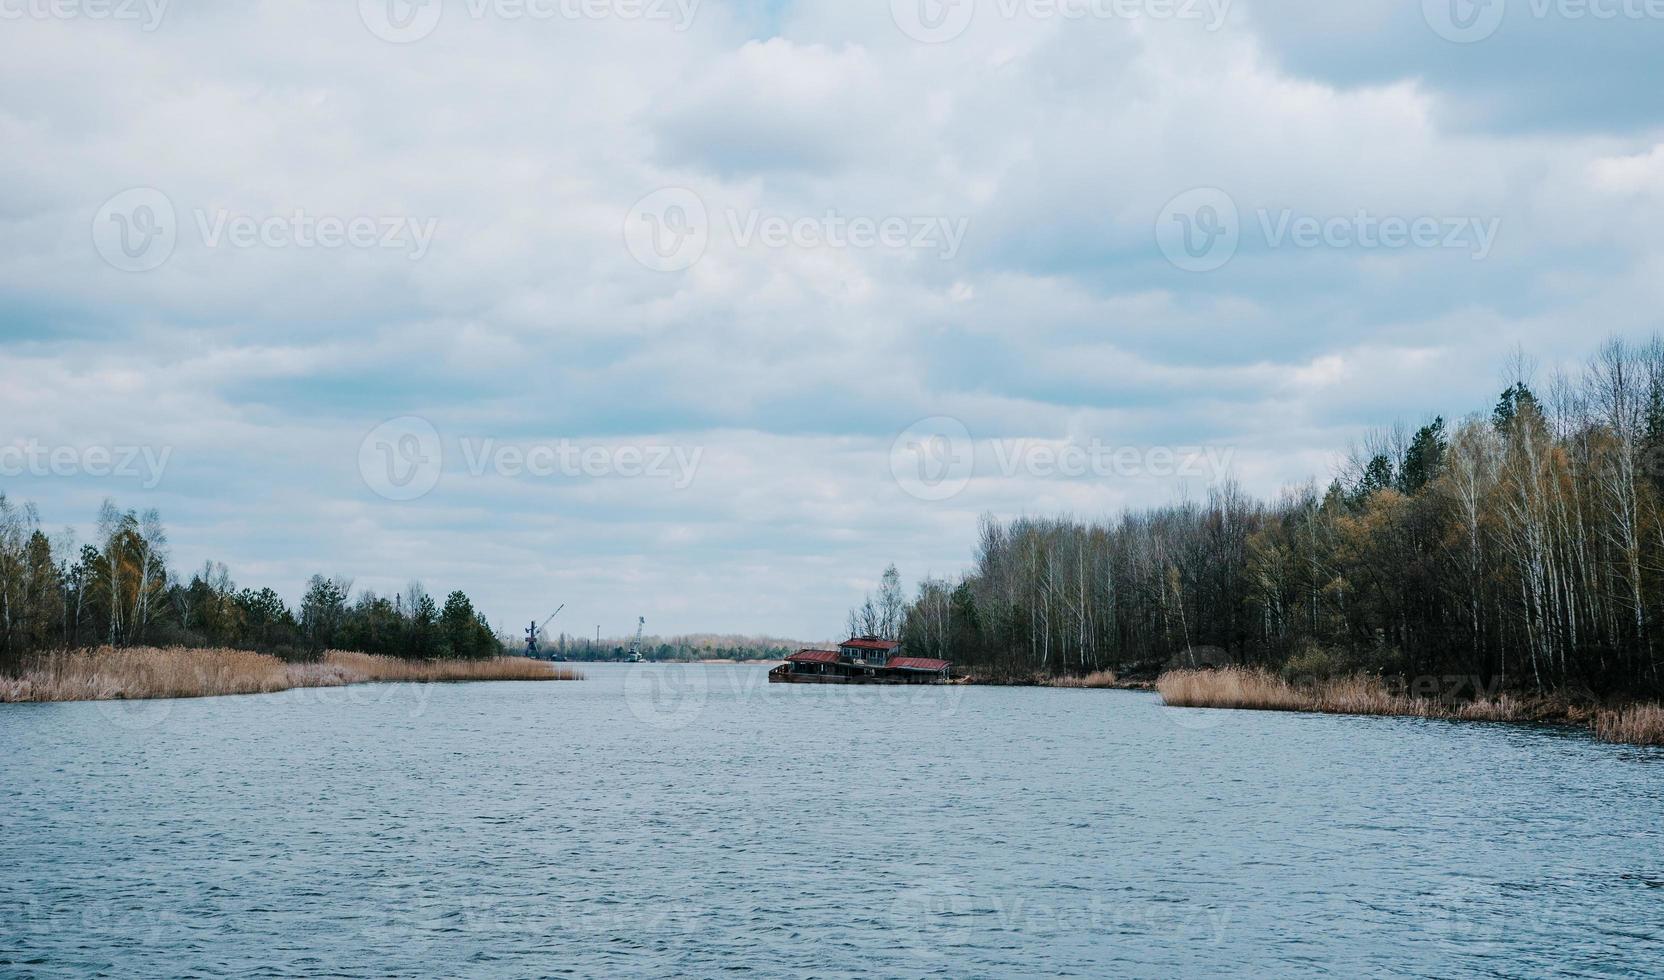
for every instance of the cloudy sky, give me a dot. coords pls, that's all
(704, 310)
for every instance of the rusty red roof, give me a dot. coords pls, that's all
(919, 663)
(870, 643)
(815, 657)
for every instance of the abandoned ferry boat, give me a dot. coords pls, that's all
(860, 660)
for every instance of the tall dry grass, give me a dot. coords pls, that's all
(1243, 687)
(1096, 679)
(365, 668)
(111, 673)
(1637, 724)
(1237, 687)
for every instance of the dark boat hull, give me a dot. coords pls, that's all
(781, 675)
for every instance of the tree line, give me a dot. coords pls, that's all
(118, 590)
(674, 649)
(1523, 548)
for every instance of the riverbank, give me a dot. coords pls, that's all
(136, 673)
(1237, 687)
(1097, 680)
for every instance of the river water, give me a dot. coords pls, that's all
(696, 820)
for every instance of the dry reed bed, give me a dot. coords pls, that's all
(1238, 687)
(109, 673)
(1637, 724)
(1096, 679)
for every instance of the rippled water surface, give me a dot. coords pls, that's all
(695, 820)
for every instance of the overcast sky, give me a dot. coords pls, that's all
(705, 311)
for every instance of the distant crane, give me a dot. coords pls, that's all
(635, 644)
(533, 630)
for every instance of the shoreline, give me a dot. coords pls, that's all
(1631, 723)
(1101, 680)
(1624, 723)
(152, 673)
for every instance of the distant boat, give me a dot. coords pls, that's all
(860, 660)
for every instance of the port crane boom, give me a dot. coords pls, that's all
(534, 629)
(635, 644)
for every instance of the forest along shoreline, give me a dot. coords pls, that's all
(109, 619)
(1521, 547)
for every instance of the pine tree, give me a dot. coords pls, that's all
(322, 610)
(1424, 459)
(458, 627)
